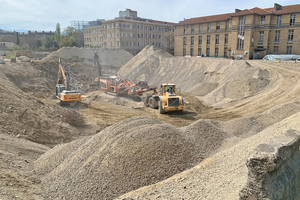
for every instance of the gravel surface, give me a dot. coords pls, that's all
(125, 156)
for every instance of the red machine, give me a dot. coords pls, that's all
(119, 85)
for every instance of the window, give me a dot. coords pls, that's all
(192, 28)
(184, 41)
(290, 36)
(200, 40)
(141, 35)
(138, 44)
(226, 39)
(159, 28)
(289, 50)
(218, 26)
(199, 52)
(200, 28)
(261, 37)
(262, 20)
(146, 27)
(192, 52)
(208, 27)
(192, 41)
(207, 51)
(142, 27)
(217, 39)
(241, 32)
(208, 40)
(146, 36)
(138, 35)
(138, 26)
(277, 36)
(278, 21)
(216, 52)
(150, 28)
(227, 25)
(184, 30)
(292, 19)
(275, 50)
(184, 52)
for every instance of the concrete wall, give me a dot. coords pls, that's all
(274, 169)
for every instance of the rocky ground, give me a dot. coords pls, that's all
(231, 107)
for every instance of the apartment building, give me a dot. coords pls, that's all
(131, 33)
(243, 34)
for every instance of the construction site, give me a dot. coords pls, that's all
(150, 126)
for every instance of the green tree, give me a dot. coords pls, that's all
(67, 42)
(38, 43)
(57, 33)
(18, 39)
(69, 31)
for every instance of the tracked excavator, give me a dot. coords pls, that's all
(63, 92)
(165, 100)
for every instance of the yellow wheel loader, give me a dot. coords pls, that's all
(165, 100)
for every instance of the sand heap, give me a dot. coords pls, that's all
(79, 64)
(218, 80)
(125, 156)
(23, 114)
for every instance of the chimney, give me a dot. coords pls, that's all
(237, 10)
(277, 6)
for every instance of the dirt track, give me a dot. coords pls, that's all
(29, 88)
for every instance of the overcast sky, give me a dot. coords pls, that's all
(44, 14)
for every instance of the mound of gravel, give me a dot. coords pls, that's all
(206, 136)
(108, 57)
(123, 157)
(217, 80)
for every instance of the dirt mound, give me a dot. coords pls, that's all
(24, 114)
(218, 80)
(79, 64)
(125, 156)
(206, 136)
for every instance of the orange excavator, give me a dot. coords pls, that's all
(63, 92)
(118, 85)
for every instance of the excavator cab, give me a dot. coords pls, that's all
(59, 89)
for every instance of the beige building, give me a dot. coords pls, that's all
(244, 34)
(131, 33)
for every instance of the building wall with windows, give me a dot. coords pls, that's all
(244, 34)
(131, 33)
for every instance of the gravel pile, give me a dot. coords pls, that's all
(123, 157)
(217, 80)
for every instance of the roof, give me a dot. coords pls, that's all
(206, 19)
(162, 22)
(260, 11)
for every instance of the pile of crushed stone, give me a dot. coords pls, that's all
(216, 80)
(79, 64)
(123, 157)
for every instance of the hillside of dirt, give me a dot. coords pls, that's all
(219, 80)
(231, 106)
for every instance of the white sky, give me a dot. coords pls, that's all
(44, 14)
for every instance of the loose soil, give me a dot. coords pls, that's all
(230, 108)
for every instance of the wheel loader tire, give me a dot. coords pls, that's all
(160, 109)
(152, 103)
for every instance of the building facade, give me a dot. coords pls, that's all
(131, 33)
(244, 34)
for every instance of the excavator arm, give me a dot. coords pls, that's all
(63, 76)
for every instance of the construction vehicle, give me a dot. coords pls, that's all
(165, 100)
(119, 85)
(63, 92)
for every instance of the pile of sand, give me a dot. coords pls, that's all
(24, 115)
(125, 156)
(218, 80)
(79, 64)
